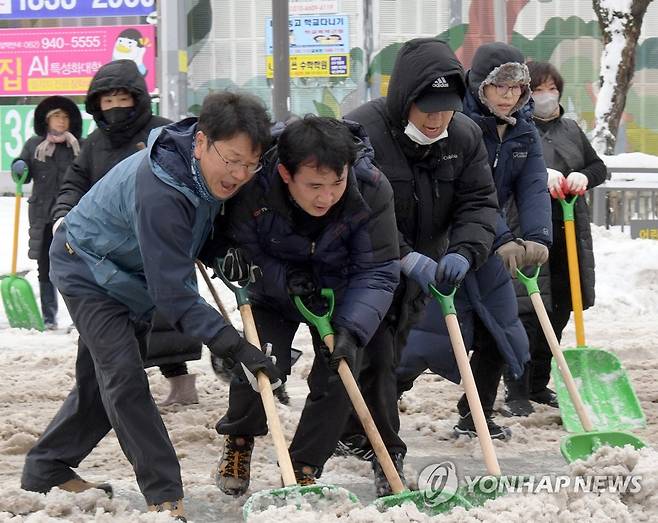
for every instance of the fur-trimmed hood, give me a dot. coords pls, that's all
(57, 102)
(500, 64)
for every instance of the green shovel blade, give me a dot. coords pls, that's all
(605, 390)
(20, 306)
(296, 495)
(582, 446)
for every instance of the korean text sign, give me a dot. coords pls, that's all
(22, 9)
(63, 60)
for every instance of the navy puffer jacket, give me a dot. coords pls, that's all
(356, 254)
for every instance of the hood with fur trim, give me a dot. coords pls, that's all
(57, 102)
(499, 64)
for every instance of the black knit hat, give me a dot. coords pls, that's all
(57, 102)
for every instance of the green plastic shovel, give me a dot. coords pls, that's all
(400, 495)
(604, 386)
(17, 296)
(578, 446)
(290, 493)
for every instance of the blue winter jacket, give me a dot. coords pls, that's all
(139, 230)
(519, 171)
(356, 252)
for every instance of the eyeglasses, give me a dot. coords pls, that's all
(235, 166)
(502, 90)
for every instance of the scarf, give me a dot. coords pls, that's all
(47, 147)
(200, 187)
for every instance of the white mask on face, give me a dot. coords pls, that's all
(546, 104)
(417, 135)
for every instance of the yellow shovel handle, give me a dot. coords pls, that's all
(17, 216)
(574, 282)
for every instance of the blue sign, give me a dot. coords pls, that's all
(19, 9)
(314, 34)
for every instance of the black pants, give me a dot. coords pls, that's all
(111, 391)
(378, 383)
(540, 352)
(327, 404)
(47, 292)
(171, 370)
(487, 365)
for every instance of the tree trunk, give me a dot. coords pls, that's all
(621, 30)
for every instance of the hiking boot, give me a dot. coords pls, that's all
(545, 397)
(356, 445)
(517, 407)
(305, 474)
(466, 427)
(232, 474)
(174, 507)
(282, 395)
(78, 485)
(382, 487)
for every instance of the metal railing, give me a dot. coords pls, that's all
(630, 193)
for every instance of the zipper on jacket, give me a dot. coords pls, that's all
(312, 248)
(497, 154)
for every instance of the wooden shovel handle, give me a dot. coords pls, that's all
(213, 291)
(273, 422)
(546, 326)
(368, 423)
(474, 404)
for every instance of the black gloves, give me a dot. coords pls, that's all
(236, 267)
(300, 282)
(345, 347)
(233, 349)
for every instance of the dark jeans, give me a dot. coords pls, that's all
(111, 391)
(378, 383)
(47, 292)
(327, 404)
(487, 365)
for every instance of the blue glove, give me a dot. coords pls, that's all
(452, 269)
(18, 167)
(420, 268)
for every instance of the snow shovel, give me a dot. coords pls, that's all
(290, 492)
(17, 296)
(605, 387)
(475, 496)
(400, 494)
(578, 446)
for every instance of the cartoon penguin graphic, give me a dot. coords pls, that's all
(131, 45)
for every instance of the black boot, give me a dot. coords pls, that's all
(382, 487)
(517, 392)
(48, 304)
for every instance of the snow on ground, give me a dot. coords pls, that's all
(38, 371)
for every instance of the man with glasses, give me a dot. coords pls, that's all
(321, 215)
(127, 247)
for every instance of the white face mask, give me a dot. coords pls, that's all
(546, 104)
(417, 136)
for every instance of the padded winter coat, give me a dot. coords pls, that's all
(356, 253)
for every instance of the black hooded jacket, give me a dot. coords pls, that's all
(445, 198)
(108, 145)
(48, 176)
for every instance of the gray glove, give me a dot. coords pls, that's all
(513, 255)
(535, 253)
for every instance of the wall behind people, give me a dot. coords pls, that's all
(563, 32)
